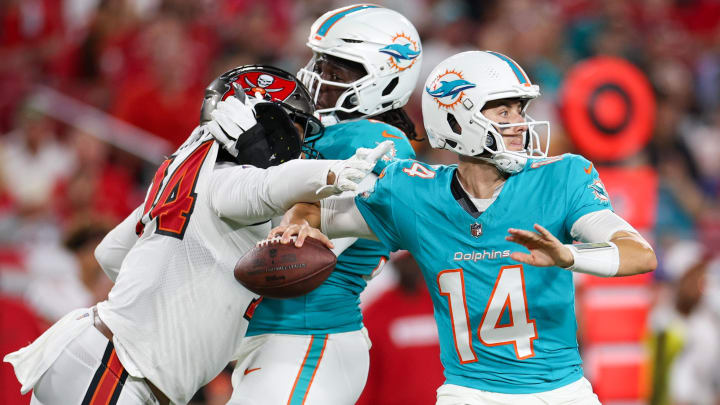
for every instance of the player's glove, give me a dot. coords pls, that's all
(231, 118)
(350, 172)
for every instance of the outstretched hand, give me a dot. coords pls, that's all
(545, 249)
(231, 118)
(350, 172)
(301, 231)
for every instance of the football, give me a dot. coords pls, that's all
(277, 270)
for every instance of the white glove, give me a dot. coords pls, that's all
(350, 172)
(230, 119)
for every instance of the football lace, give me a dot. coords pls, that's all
(274, 239)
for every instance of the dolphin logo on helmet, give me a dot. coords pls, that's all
(450, 88)
(447, 88)
(404, 51)
(400, 52)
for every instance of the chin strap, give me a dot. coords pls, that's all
(329, 119)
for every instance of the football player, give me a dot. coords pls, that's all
(175, 316)
(314, 349)
(505, 314)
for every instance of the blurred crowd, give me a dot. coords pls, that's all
(67, 176)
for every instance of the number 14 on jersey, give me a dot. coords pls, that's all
(508, 296)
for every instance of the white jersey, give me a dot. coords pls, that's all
(176, 311)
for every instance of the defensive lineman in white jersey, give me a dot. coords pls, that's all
(175, 315)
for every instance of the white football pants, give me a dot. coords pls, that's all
(578, 393)
(276, 369)
(88, 372)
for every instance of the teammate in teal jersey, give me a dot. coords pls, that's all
(505, 314)
(314, 349)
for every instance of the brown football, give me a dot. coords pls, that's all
(277, 270)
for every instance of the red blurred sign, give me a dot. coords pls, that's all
(608, 108)
(618, 373)
(633, 193)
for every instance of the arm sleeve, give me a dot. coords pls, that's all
(248, 195)
(340, 218)
(599, 226)
(112, 250)
(585, 191)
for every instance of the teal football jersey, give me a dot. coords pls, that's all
(334, 306)
(503, 326)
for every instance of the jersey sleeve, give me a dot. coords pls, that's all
(112, 250)
(585, 191)
(380, 205)
(248, 195)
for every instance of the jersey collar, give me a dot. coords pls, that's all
(461, 197)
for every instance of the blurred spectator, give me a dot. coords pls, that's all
(30, 32)
(97, 185)
(32, 161)
(685, 329)
(63, 277)
(100, 54)
(54, 287)
(680, 199)
(81, 240)
(165, 100)
(405, 355)
(703, 142)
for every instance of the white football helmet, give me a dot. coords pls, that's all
(456, 91)
(383, 41)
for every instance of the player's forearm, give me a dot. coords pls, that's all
(298, 181)
(612, 247)
(249, 195)
(636, 255)
(302, 213)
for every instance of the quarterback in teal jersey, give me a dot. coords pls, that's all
(314, 349)
(493, 236)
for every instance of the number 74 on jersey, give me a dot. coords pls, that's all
(508, 294)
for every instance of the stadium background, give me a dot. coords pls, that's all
(95, 92)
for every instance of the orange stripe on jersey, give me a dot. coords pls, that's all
(108, 381)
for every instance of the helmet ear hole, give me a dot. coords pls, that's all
(490, 142)
(390, 87)
(351, 101)
(454, 125)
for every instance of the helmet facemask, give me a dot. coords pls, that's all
(350, 99)
(495, 151)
